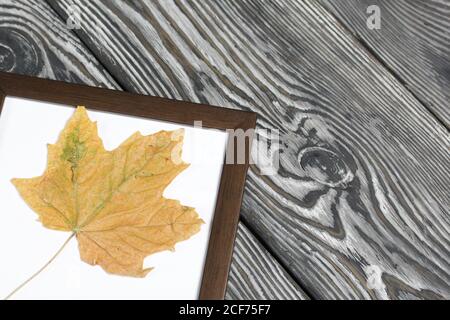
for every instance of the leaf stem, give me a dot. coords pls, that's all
(41, 269)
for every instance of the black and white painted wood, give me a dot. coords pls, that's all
(359, 205)
(245, 278)
(413, 41)
(35, 41)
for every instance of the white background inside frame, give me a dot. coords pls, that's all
(26, 127)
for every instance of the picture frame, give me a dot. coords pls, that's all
(232, 181)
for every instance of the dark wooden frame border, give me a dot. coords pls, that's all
(229, 198)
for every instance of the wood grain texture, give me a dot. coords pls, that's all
(359, 205)
(245, 279)
(413, 41)
(35, 41)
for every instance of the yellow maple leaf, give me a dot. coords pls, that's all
(112, 201)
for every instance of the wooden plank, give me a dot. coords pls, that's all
(245, 280)
(359, 205)
(413, 41)
(35, 41)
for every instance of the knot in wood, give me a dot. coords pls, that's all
(325, 166)
(19, 53)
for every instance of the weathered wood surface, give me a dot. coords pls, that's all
(413, 41)
(35, 41)
(245, 278)
(359, 205)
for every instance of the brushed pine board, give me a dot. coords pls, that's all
(35, 41)
(413, 41)
(364, 213)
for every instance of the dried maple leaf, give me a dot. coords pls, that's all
(112, 201)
